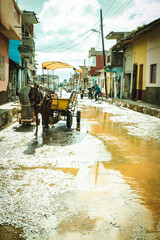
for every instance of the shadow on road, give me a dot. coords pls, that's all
(58, 135)
(24, 128)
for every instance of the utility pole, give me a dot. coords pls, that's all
(104, 59)
(48, 78)
(84, 72)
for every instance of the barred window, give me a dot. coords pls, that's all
(153, 73)
(108, 58)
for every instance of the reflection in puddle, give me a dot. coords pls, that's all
(73, 185)
(135, 157)
(10, 233)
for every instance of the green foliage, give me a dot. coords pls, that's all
(139, 28)
(61, 84)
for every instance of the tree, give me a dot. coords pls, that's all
(64, 81)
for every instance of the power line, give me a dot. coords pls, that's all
(109, 8)
(72, 44)
(121, 8)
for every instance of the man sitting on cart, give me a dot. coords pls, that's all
(97, 91)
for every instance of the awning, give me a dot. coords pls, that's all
(56, 65)
(13, 63)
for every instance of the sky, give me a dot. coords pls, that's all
(64, 29)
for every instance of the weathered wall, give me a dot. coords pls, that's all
(139, 57)
(153, 95)
(4, 64)
(153, 56)
(127, 72)
(10, 19)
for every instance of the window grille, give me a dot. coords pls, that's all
(153, 72)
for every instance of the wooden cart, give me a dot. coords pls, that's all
(66, 108)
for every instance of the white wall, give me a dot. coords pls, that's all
(153, 56)
(128, 69)
(128, 55)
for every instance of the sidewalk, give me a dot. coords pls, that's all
(138, 106)
(8, 111)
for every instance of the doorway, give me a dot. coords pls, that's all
(140, 82)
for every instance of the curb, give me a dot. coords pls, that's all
(7, 116)
(135, 107)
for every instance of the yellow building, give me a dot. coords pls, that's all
(140, 61)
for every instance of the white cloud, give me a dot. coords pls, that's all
(68, 15)
(137, 14)
(62, 22)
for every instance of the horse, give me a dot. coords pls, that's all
(41, 104)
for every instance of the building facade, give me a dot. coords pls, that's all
(96, 69)
(15, 69)
(141, 63)
(153, 67)
(127, 72)
(27, 48)
(10, 28)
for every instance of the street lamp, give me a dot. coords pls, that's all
(95, 30)
(104, 58)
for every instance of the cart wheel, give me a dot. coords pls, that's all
(69, 119)
(78, 117)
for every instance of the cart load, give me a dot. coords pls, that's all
(26, 113)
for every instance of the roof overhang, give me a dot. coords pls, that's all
(116, 35)
(13, 63)
(29, 17)
(136, 35)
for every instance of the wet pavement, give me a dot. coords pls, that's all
(100, 183)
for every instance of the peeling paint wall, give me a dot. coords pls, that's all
(139, 57)
(4, 68)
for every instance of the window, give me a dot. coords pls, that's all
(140, 76)
(92, 61)
(108, 58)
(153, 72)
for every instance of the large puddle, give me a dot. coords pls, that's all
(73, 185)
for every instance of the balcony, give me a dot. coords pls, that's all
(27, 47)
(28, 42)
(114, 59)
(26, 51)
(92, 71)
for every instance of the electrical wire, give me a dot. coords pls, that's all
(120, 10)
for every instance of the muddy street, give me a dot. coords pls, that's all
(102, 182)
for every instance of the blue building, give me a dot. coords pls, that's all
(15, 68)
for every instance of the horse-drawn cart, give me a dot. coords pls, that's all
(53, 108)
(65, 108)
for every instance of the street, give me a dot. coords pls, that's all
(102, 182)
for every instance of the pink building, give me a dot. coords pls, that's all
(10, 28)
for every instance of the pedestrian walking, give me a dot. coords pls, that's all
(118, 85)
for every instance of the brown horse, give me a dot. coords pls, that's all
(40, 105)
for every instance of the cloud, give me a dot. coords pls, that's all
(62, 25)
(136, 14)
(57, 15)
(64, 31)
